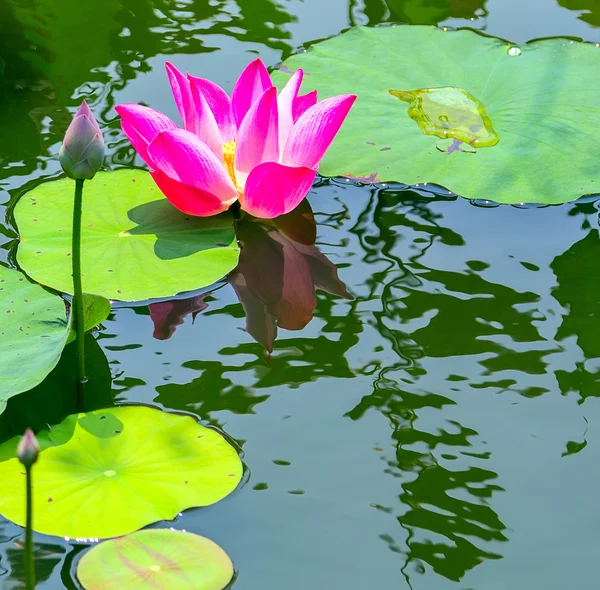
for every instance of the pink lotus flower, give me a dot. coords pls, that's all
(257, 147)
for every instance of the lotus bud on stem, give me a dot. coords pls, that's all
(81, 156)
(27, 453)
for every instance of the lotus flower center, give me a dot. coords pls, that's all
(228, 157)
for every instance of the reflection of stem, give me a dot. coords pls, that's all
(408, 556)
(29, 569)
(77, 289)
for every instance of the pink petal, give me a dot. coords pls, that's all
(315, 129)
(188, 199)
(258, 136)
(186, 158)
(205, 126)
(79, 134)
(183, 97)
(219, 104)
(84, 109)
(303, 103)
(141, 125)
(250, 86)
(285, 104)
(273, 189)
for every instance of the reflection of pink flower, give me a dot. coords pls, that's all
(167, 315)
(276, 279)
(257, 147)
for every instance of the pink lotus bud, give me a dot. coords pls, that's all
(28, 448)
(82, 152)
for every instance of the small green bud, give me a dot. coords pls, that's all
(28, 448)
(82, 152)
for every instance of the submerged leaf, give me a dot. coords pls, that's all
(450, 113)
(156, 558)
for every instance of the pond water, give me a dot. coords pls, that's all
(437, 431)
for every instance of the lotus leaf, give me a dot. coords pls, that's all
(110, 472)
(478, 115)
(156, 558)
(33, 333)
(135, 245)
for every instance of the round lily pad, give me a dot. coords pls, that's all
(33, 333)
(477, 115)
(110, 472)
(135, 245)
(157, 558)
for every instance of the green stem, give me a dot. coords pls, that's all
(77, 288)
(29, 567)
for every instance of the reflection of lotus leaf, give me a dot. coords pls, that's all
(590, 10)
(95, 467)
(541, 99)
(33, 333)
(167, 559)
(56, 396)
(135, 244)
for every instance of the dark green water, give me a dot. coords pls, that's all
(438, 431)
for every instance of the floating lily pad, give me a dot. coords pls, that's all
(110, 472)
(482, 117)
(157, 558)
(135, 244)
(33, 333)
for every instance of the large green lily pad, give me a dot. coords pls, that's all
(33, 333)
(157, 558)
(529, 116)
(110, 472)
(135, 244)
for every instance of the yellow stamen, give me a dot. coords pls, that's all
(228, 156)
